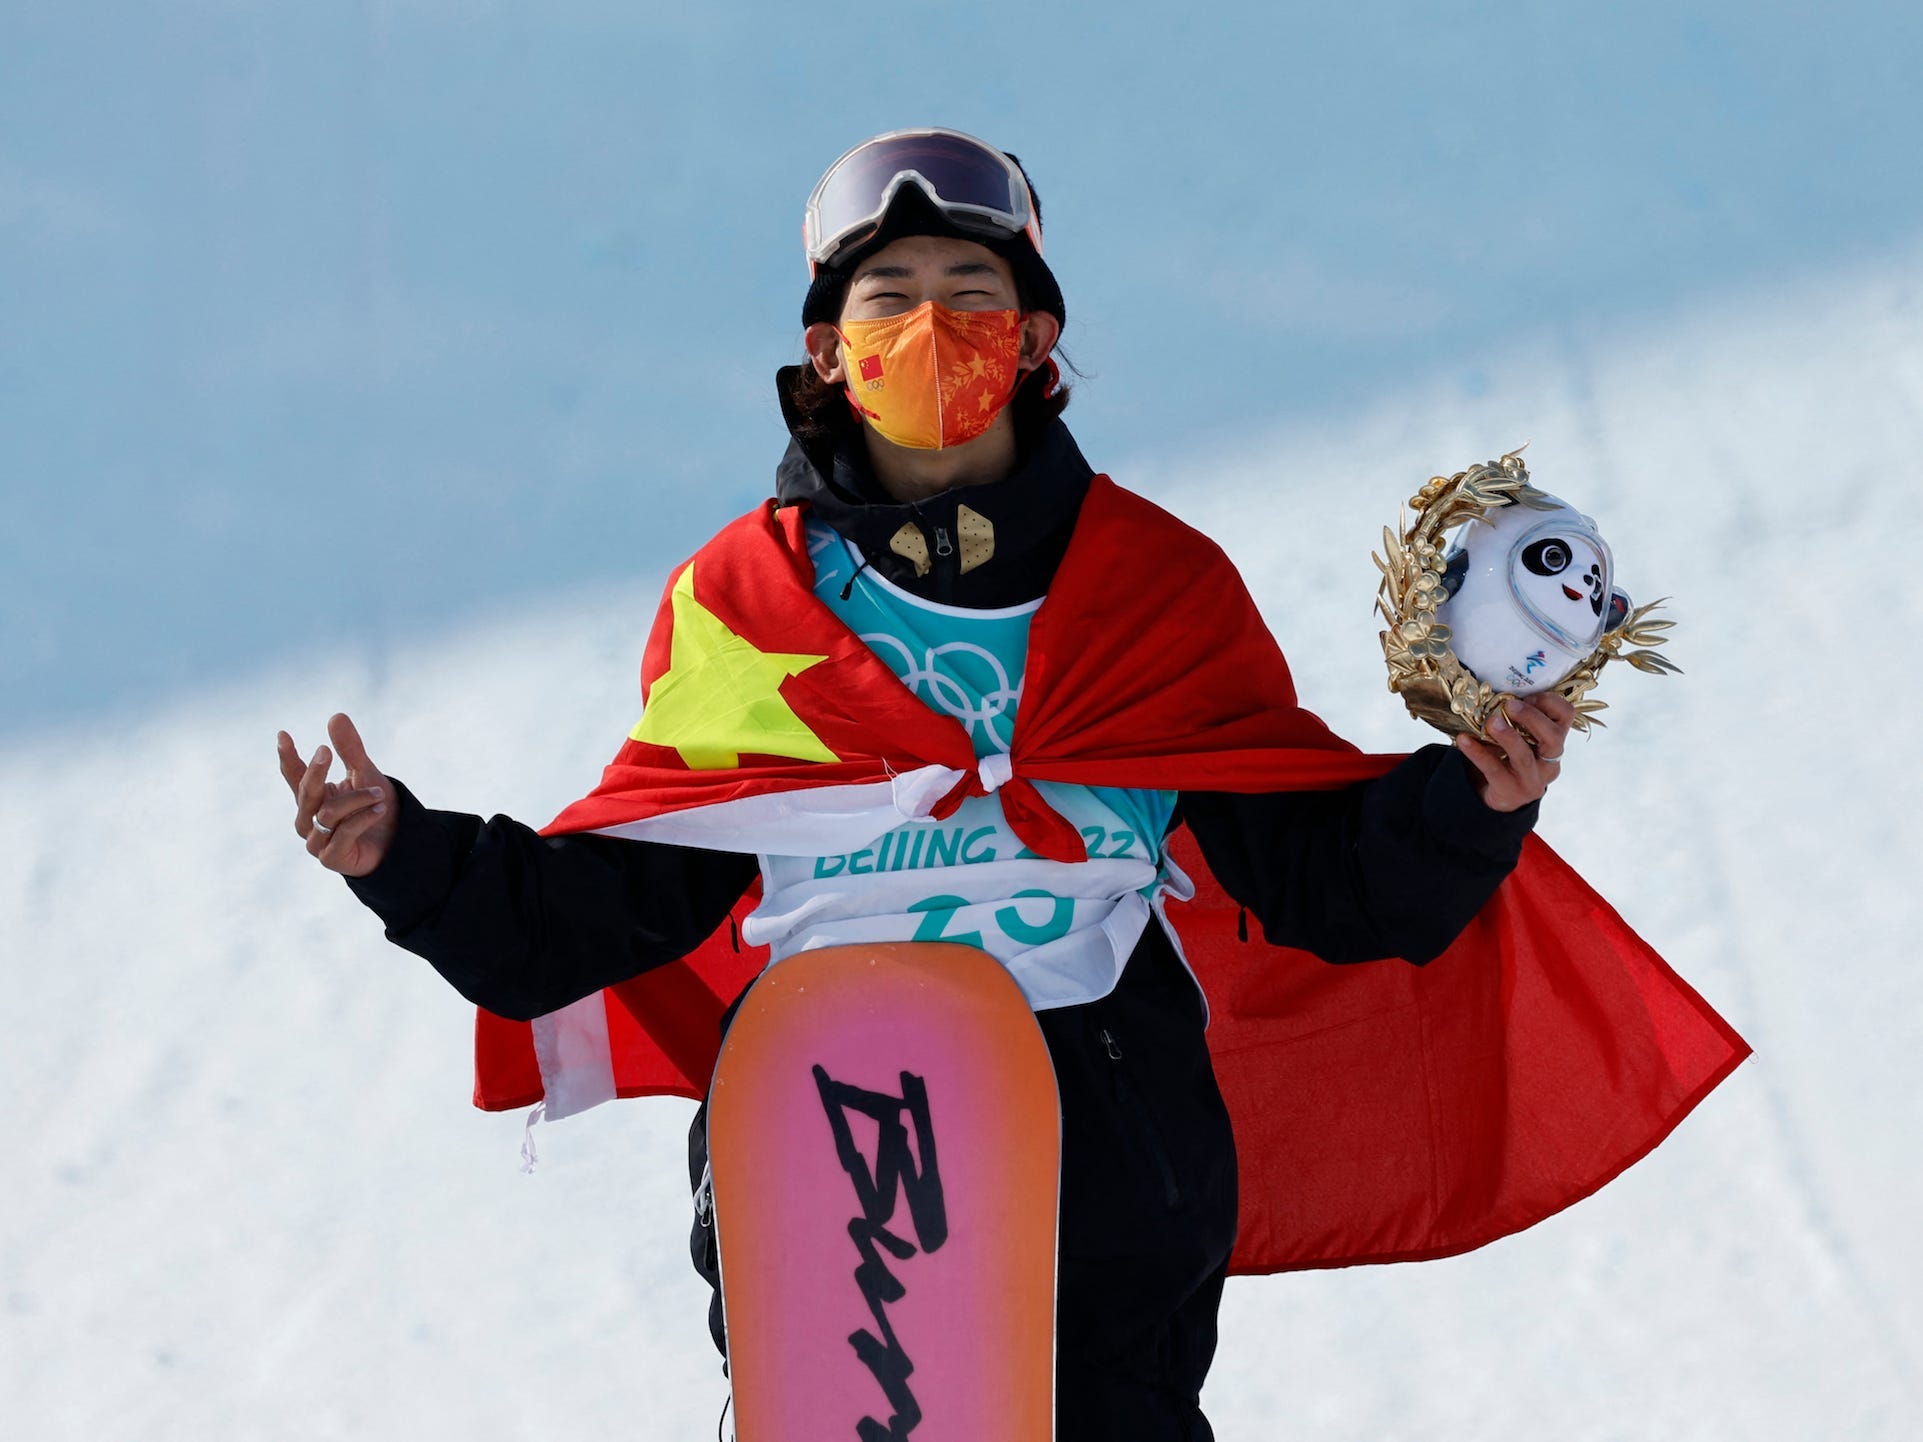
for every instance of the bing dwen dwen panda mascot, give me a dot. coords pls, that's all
(1495, 588)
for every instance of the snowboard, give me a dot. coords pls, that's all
(885, 1138)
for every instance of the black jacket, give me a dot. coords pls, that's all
(523, 925)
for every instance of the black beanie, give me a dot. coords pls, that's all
(913, 213)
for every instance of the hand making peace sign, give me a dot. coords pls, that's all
(347, 826)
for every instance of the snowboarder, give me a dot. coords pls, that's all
(933, 487)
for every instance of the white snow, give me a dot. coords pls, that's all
(246, 1196)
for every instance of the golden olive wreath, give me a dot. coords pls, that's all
(1423, 670)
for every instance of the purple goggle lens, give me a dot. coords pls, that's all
(975, 186)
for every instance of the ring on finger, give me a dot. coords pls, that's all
(323, 830)
(1555, 760)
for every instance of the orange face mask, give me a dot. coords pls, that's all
(933, 377)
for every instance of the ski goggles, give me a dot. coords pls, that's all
(974, 185)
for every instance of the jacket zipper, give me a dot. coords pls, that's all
(943, 546)
(1158, 1150)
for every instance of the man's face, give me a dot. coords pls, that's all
(958, 274)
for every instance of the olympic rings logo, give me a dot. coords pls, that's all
(994, 713)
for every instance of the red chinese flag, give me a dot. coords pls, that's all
(1382, 1112)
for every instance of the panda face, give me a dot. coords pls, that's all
(1562, 578)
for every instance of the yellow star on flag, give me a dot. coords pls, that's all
(720, 696)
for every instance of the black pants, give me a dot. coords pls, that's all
(1147, 1207)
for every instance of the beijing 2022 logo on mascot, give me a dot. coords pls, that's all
(1494, 588)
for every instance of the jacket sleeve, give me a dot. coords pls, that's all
(1392, 867)
(523, 924)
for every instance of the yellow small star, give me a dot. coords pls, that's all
(720, 696)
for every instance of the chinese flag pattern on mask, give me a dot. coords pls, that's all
(934, 377)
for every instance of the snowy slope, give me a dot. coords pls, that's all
(246, 1196)
(1757, 818)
